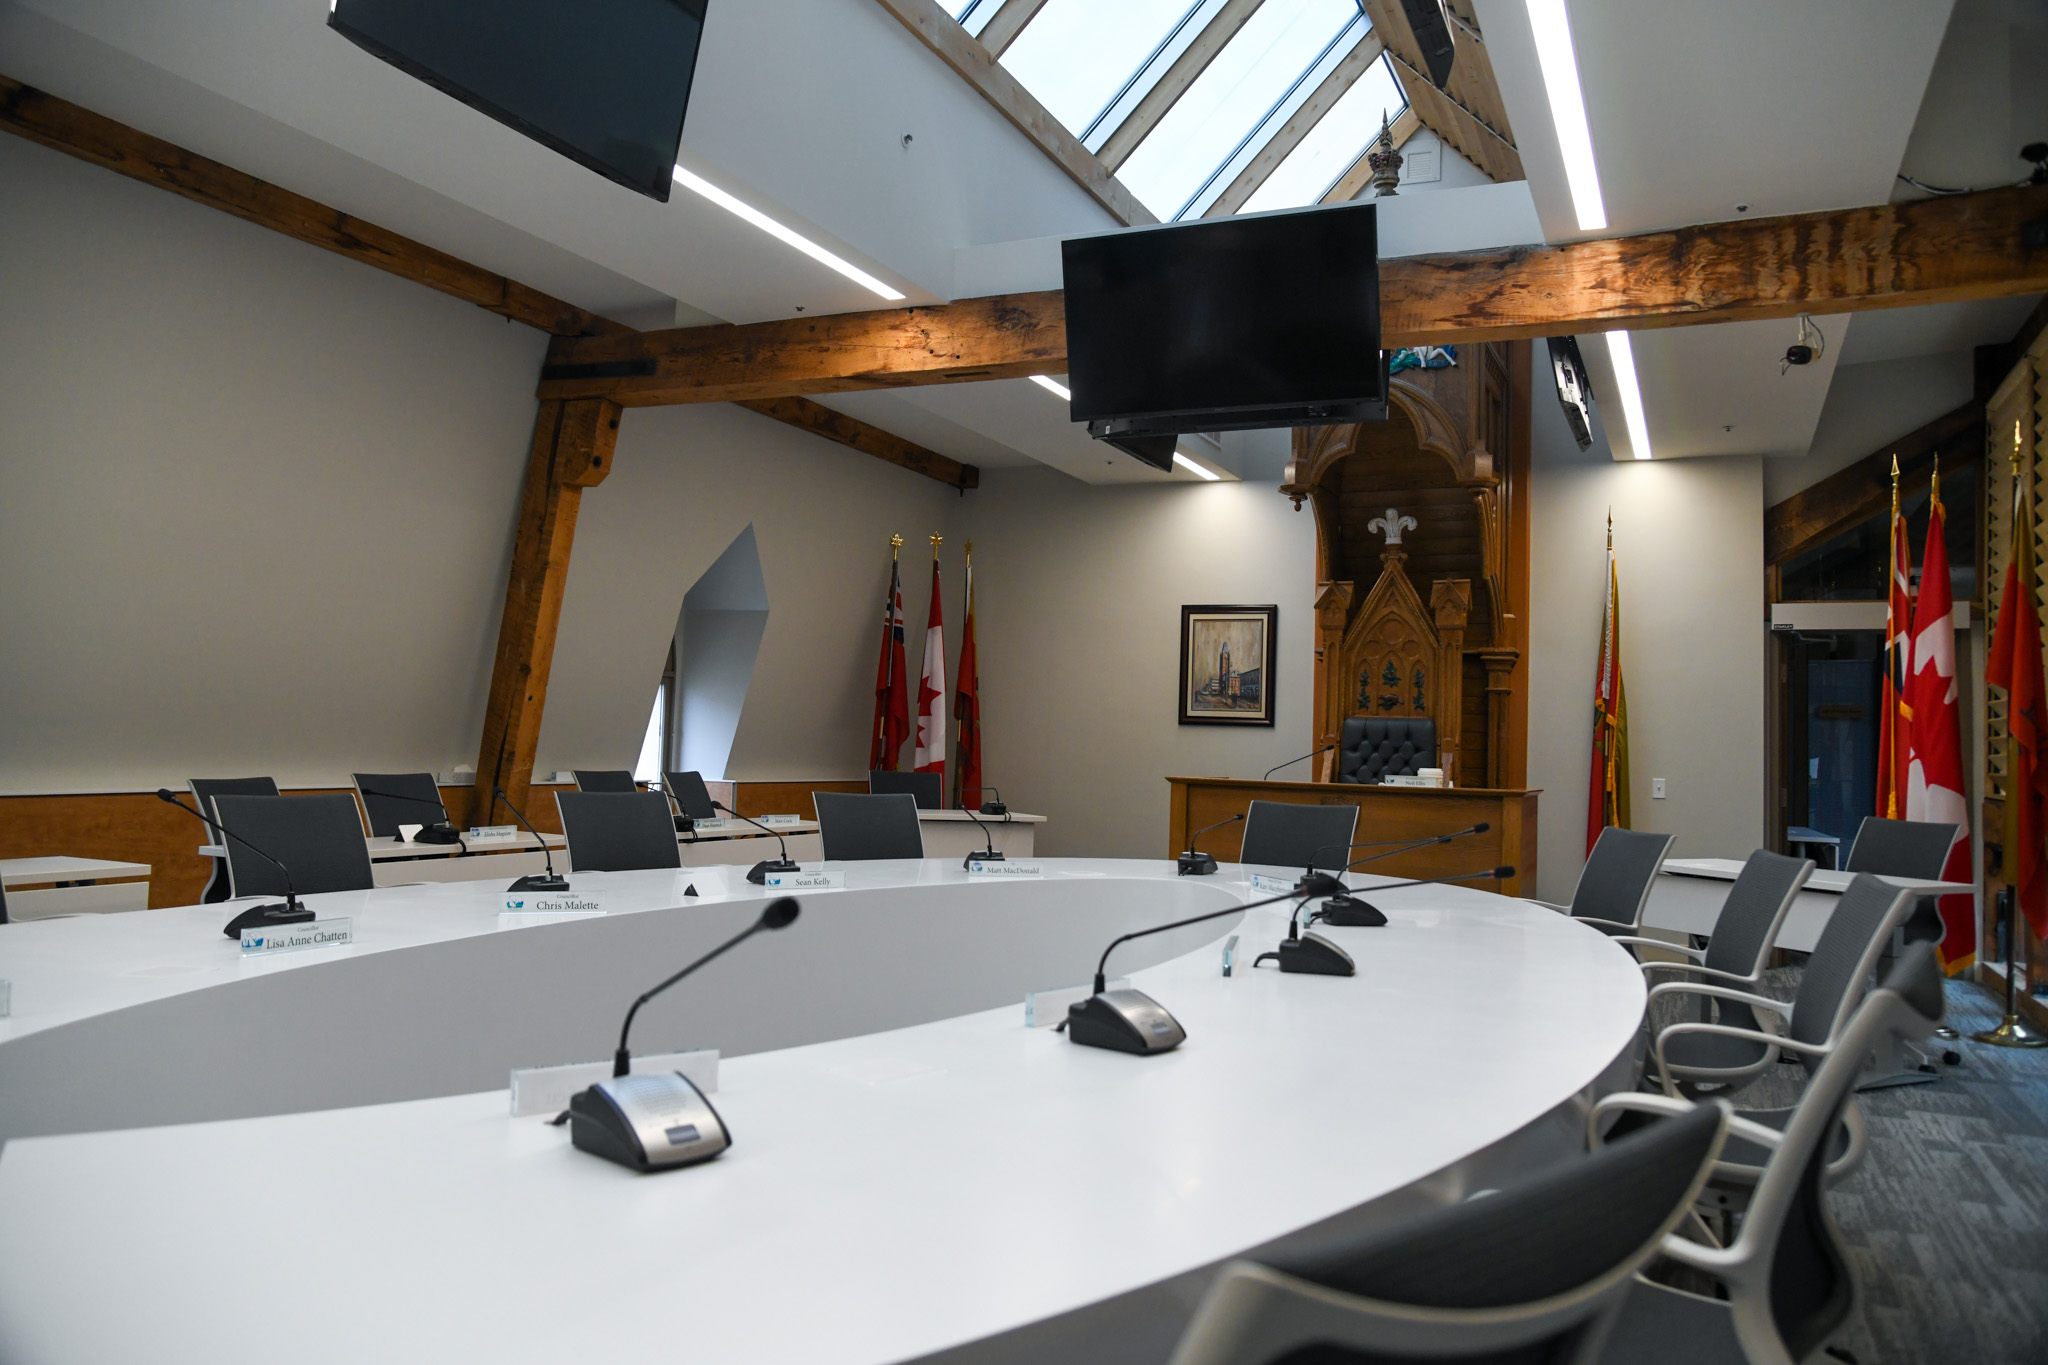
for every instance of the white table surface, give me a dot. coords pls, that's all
(1688, 893)
(34, 871)
(889, 1193)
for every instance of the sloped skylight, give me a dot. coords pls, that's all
(1331, 148)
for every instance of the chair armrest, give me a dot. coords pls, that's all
(1781, 1008)
(1549, 905)
(1608, 923)
(1700, 971)
(1660, 943)
(1668, 1105)
(1769, 1040)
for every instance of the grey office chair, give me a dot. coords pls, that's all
(204, 789)
(1739, 949)
(690, 794)
(1532, 1273)
(318, 838)
(605, 780)
(1614, 885)
(854, 828)
(1373, 747)
(3, 906)
(618, 831)
(928, 788)
(1284, 834)
(1836, 974)
(1788, 1285)
(393, 799)
(1905, 848)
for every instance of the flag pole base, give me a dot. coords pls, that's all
(2012, 1031)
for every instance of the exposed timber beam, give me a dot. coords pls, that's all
(1007, 23)
(1862, 490)
(1352, 183)
(957, 48)
(1886, 256)
(1174, 81)
(834, 425)
(1470, 114)
(1341, 78)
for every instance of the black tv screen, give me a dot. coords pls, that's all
(1226, 325)
(604, 84)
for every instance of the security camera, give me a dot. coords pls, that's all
(1806, 348)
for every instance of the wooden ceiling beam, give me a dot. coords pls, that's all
(1860, 491)
(1256, 171)
(1470, 114)
(1886, 256)
(1004, 26)
(1175, 80)
(833, 425)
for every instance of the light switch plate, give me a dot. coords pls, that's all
(1657, 789)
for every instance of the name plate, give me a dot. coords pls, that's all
(486, 834)
(805, 881)
(978, 868)
(710, 826)
(1271, 886)
(291, 938)
(782, 819)
(552, 903)
(1408, 780)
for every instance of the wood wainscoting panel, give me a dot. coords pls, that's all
(757, 799)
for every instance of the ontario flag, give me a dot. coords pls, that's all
(2015, 665)
(1607, 788)
(930, 756)
(892, 690)
(1893, 727)
(967, 708)
(1934, 771)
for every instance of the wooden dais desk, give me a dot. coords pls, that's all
(1402, 813)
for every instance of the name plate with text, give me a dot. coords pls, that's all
(492, 834)
(292, 938)
(711, 826)
(1408, 780)
(1005, 868)
(1271, 886)
(782, 819)
(805, 881)
(555, 903)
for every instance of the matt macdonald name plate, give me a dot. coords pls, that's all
(978, 868)
(288, 938)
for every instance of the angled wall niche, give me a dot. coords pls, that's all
(718, 638)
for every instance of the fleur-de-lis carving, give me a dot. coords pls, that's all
(1393, 523)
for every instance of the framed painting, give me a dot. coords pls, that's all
(1226, 665)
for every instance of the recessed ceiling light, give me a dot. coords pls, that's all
(1624, 357)
(1045, 381)
(1553, 32)
(1185, 463)
(781, 233)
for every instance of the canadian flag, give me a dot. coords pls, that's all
(931, 691)
(1934, 767)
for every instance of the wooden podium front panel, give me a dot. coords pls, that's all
(1398, 813)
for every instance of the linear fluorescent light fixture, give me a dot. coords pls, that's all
(1185, 463)
(1624, 357)
(1061, 391)
(1553, 32)
(783, 234)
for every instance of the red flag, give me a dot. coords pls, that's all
(967, 707)
(1607, 787)
(892, 689)
(2015, 665)
(1934, 773)
(1892, 723)
(930, 755)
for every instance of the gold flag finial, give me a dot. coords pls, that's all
(1610, 530)
(895, 545)
(970, 552)
(935, 539)
(1935, 478)
(2015, 446)
(1895, 483)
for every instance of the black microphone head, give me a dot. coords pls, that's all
(1502, 873)
(166, 794)
(1320, 884)
(720, 805)
(780, 914)
(1481, 827)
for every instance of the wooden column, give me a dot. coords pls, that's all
(572, 451)
(1500, 667)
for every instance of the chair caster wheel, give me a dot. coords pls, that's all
(1952, 1057)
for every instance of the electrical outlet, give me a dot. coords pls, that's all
(1657, 789)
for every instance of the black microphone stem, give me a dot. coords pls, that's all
(544, 851)
(1218, 825)
(291, 895)
(991, 856)
(1101, 982)
(414, 800)
(622, 1060)
(1419, 843)
(779, 843)
(1313, 753)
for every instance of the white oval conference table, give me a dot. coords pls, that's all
(310, 1157)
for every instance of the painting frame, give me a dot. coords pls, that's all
(1206, 696)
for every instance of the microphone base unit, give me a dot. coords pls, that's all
(987, 855)
(266, 917)
(1193, 864)
(758, 874)
(994, 808)
(437, 834)
(1124, 1021)
(653, 1122)
(1312, 955)
(1349, 912)
(540, 881)
(686, 825)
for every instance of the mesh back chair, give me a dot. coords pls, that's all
(3, 906)
(1788, 1286)
(394, 799)
(855, 828)
(1284, 834)
(1373, 747)
(1905, 848)
(927, 788)
(320, 838)
(1534, 1273)
(204, 789)
(690, 794)
(1739, 949)
(618, 831)
(1614, 885)
(1836, 975)
(605, 780)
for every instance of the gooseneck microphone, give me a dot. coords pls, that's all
(991, 855)
(1347, 911)
(758, 874)
(261, 916)
(658, 1120)
(1400, 846)
(531, 882)
(1132, 1021)
(431, 831)
(995, 807)
(1313, 753)
(1193, 864)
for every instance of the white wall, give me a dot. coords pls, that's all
(1868, 405)
(1078, 592)
(256, 501)
(1688, 537)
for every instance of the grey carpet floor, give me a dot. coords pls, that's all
(1946, 1222)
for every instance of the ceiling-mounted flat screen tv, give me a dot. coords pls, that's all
(1268, 321)
(603, 84)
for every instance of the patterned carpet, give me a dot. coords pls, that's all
(1947, 1220)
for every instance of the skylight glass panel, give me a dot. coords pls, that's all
(1334, 145)
(973, 15)
(1075, 56)
(1253, 74)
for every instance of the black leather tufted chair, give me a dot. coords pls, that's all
(1373, 747)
